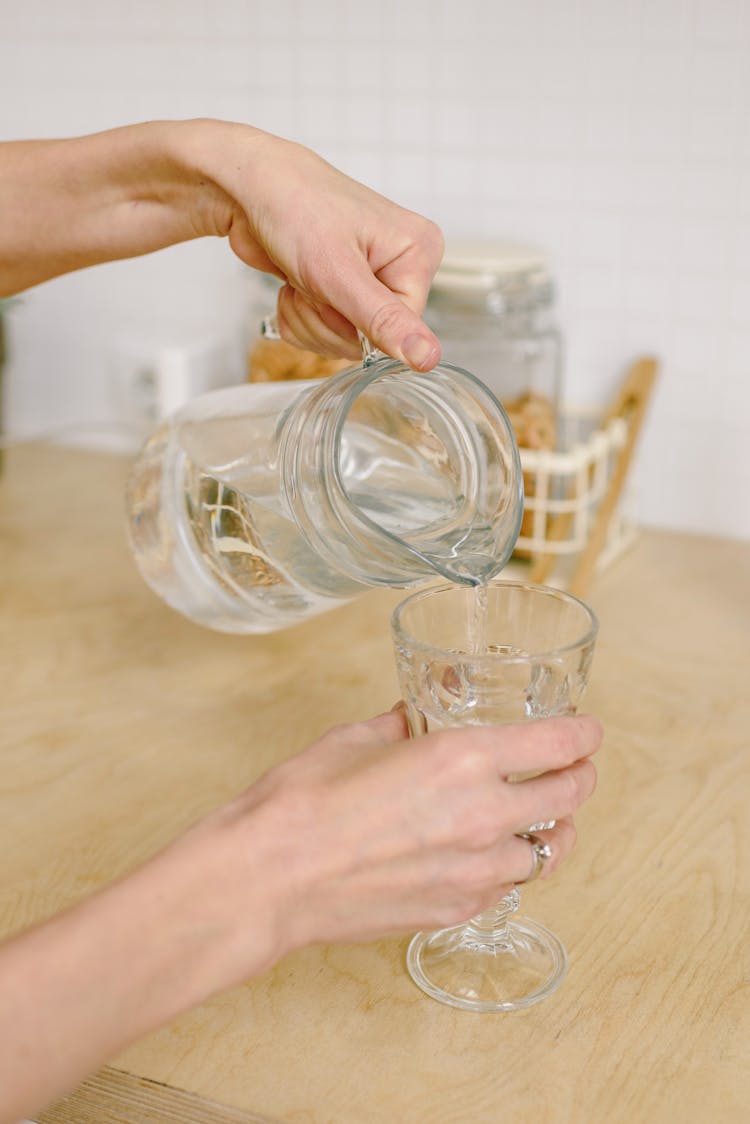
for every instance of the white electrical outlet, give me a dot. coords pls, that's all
(153, 379)
(134, 385)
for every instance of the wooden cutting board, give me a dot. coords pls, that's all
(113, 1096)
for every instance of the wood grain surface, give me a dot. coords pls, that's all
(122, 722)
(115, 1097)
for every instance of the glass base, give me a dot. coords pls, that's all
(505, 969)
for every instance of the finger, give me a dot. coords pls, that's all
(391, 726)
(550, 796)
(451, 886)
(365, 740)
(249, 250)
(302, 324)
(318, 323)
(343, 329)
(560, 839)
(545, 743)
(294, 324)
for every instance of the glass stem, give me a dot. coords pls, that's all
(493, 924)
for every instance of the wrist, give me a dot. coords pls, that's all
(161, 171)
(262, 858)
(77, 989)
(200, 149)
(215, 904)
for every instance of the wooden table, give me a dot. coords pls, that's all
(122, 723)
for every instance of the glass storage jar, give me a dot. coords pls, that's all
(492, 306)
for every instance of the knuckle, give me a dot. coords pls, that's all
(592, 776)
(357, 734)
(431, 240)
(352, 733)
(584, 779)
(568, 836)
(470, 764)
(442, 752)
(568, 842)
(483, 828)
(575, 735)
(565, 741)
(576, 782)
(435, 237)
(573, 793)
(594, 727)
(470, 761)
(341, 731)
(388, 320)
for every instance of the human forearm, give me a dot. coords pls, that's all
(77, 989)
(67, 204)
(349, 259)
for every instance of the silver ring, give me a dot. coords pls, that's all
(541, 852)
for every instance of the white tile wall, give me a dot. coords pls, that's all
(615, 133)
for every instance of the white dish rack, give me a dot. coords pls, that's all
(576, 519)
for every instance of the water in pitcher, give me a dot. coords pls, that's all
(234, 521)
(243, 533)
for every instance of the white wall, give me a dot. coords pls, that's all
(615, 133)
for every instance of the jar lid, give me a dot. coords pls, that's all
(474, 269)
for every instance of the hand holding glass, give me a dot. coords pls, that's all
(489, 655)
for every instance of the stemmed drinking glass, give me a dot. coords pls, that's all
(493, 654)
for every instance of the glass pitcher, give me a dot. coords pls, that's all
(258, 506)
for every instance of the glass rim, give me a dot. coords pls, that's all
(375, 371)
(402, 634)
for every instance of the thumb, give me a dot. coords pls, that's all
(384, 317)
(391, 726)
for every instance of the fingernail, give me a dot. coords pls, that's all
(420, 352)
